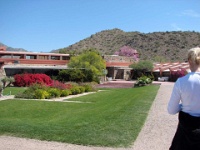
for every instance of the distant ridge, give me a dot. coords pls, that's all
(170, 46)
(13, 49)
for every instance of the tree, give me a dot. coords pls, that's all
(145, 65)
(90, 62)
(6, 81)
(128, 51)
(141, 68)
(76, 75)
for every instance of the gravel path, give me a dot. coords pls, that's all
(156, 133)
(160, 127)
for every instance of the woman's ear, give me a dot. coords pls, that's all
(189, 61)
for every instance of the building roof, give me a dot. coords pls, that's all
(32, 53)
(19, 66)
(165, 67)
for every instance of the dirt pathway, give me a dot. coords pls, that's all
(156, 134)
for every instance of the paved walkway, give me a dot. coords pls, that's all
(6, 97)
(156, 133)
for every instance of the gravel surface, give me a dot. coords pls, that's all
(160, 127)
(156, 134)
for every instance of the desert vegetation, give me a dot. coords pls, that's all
(156, 46)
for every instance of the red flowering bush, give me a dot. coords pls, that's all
(24, 80)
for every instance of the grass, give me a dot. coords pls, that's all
(13, 90)
(113, 118)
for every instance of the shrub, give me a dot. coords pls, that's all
(56, 89)
(68, 85)
(36, 86)
(75, 75)
(27, 94)
(29, 79)
(89, 86)
(32, 92)
(18, 80)
(64, 93)
(53, 92)
(144, 80)
(63, 75)
(151, 77)
(41, 94)
(72, 83)
(177, 74)
(60, 85)
(75, 90)
(82, 89)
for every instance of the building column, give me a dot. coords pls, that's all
(115, 72)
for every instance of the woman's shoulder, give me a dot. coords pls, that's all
(190, 76)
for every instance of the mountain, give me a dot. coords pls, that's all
(13, 49)
(168, 46)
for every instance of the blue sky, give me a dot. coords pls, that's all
(45, 25)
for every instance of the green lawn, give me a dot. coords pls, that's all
(13, 90)
(113, 117)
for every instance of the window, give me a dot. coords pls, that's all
(55, 57)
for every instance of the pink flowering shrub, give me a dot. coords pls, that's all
(60, 85)
(27, 79)
(177, 74)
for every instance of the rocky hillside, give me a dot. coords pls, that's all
(157, 46)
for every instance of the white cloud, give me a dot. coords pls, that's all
(175, 26)
(190, 13)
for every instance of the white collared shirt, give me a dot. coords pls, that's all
(186, 95)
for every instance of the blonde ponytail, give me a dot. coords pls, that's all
(194, 55)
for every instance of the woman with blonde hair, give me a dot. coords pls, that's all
(185, 100)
